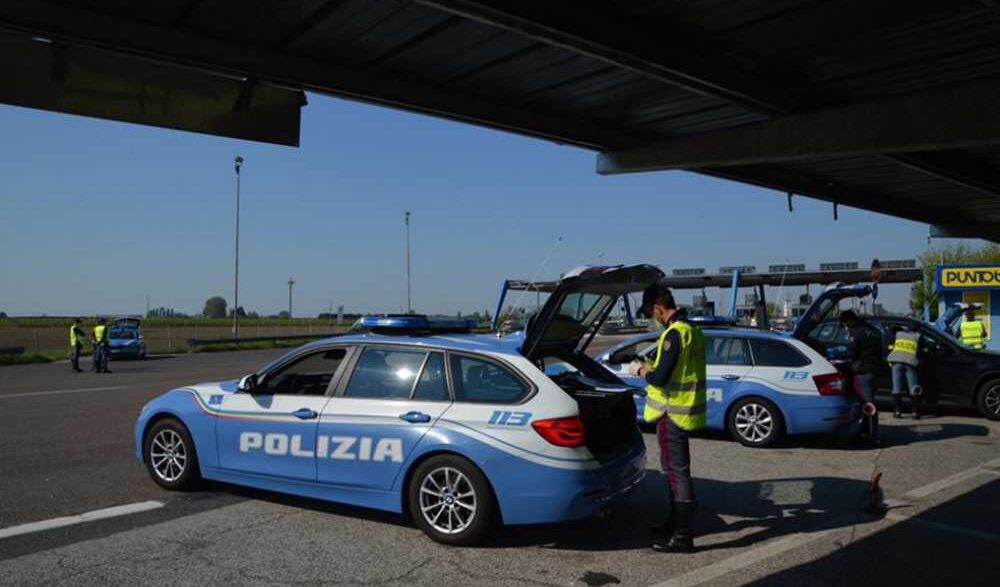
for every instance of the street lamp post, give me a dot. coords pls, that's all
(409, 306)
(237, 163)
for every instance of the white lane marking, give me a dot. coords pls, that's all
(60, 391)
(751, 557)
(112, 512)
(945, 527)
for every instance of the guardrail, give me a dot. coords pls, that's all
(193, 343)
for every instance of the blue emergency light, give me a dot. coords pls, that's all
(413, 324)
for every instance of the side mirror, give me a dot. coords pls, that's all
(248, 383)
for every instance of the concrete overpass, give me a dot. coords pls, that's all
(888, 106)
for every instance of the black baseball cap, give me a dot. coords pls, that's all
(650, 295)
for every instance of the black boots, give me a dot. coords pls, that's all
(682, 539)
(897, 406)
(915, 402)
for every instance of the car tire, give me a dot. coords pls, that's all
(756, 422)
(170, 456)
(450, 499)
(988, 399)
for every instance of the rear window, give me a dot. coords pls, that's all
(775, 353)
(481, 381)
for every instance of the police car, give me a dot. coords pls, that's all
(761, 385)
(416, 416)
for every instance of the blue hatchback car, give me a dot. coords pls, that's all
(762, 385)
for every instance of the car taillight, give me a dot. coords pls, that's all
(561, 431)
(829, 384)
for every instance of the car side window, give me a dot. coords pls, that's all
(933, 344)
(737, 352)
(775, 353)
(309, 375)
(482, 381)
(715, 350)
(385, 373)
(432, 384)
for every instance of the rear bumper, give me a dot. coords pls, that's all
(133, 352)
(550, 495)
(831, 418)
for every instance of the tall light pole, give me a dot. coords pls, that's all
(409, 306)
(291, 282)
(237, 163)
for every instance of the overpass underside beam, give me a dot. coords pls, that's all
(94, 82)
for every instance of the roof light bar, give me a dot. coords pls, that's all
(413, 324)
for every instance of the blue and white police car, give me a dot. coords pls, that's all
(761, 385)
(457, 430)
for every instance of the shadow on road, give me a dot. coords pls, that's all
(765, 509)
(771, 508)
(895, 433)
(952, 544)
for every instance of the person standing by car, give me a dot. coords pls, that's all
(76, 338)
(676, 389)
(973, 332)
(101, 346)
(903, 360)
(865, 355)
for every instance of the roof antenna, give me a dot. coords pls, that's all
(835, 215)
(790, 208)
(531, 282)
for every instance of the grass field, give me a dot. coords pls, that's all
(50, 336)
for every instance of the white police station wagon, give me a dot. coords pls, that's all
(457, 430)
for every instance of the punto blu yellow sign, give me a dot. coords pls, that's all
(968, 277)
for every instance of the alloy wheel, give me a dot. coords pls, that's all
(447, 500)
(168, 455)
(754, 422)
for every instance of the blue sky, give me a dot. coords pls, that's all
(97, 215)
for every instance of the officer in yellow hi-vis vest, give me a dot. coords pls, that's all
(676, 401)
(972, 331)
(101, 346)
(76, 339)
(904, 359)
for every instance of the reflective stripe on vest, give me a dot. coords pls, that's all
(904, 348)
(974, 334)
(684, 398)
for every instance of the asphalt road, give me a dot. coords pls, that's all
(793, 515)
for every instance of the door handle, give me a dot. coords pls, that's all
(304, 414)
(730, 377)
(415, 417)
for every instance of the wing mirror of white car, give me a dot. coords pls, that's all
(248, 383)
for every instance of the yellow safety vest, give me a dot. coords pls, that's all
(904, 348)
(974, 334)
(74, 339)
(100, 332)
(685, 398)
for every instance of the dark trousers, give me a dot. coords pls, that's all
(100, 357)
(74, 356)
(675, 458)
(864, 386)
